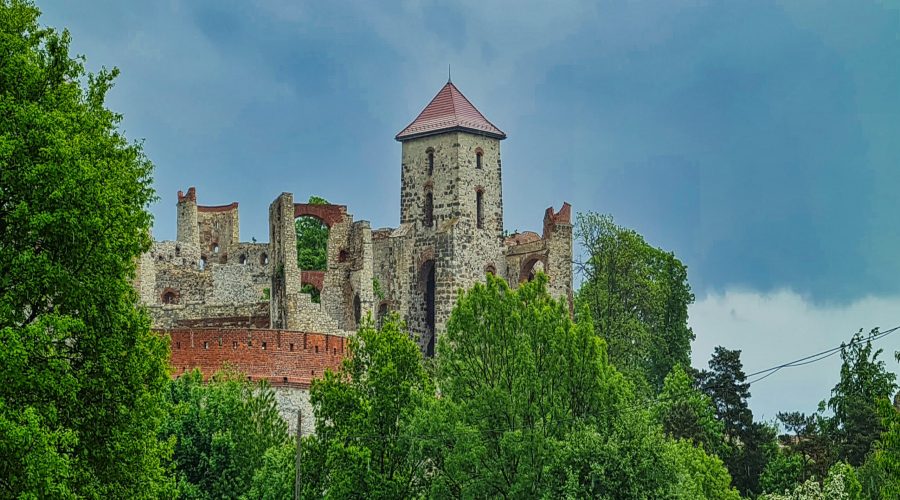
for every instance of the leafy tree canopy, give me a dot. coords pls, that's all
(312, 240)
(222, 431)
(637, 296)
(82, 394)
(362, 445)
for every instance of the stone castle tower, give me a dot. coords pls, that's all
(451, 199)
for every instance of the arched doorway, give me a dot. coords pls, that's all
(428, 281)
(530, 268)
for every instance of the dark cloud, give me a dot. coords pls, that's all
(758, 141)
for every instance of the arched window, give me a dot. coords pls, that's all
(264, 259)
(430, 153)
(243, 259)
(215, 248)
(202, 263)
(429, 209)
(479, 209)
(170, 297)
(478, 155)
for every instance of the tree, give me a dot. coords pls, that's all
(637, 296)
(82, 395)
(274, 479)
(686, 413)
(841, 483)
(222, 432)
(864, 382)
(530, 406)
(880, 474)
(748, 444)
(312, 240)
(362, 444)
(701, 475)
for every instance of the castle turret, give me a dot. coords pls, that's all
(451, 203)
(188, 229)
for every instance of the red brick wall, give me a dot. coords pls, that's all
(261, 354)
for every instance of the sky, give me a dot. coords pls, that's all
(758, 141)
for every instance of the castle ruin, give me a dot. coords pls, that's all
(226, 301)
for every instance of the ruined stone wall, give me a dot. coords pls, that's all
(249, 315)
(219, 228)
(528, 253)
(290, 400)
(188, 229)
(285, 277)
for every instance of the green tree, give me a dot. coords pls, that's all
(312, 240)
(362, 444)
(880, 474)
(783, 472)
(841, 483)
(701, 475)
(748, 444)
(222, 431)
(687, 413)
(637, 296)
(82, 395)
(274, 479)
(865, 381)
(530, 406)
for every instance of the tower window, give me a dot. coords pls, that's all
(478, 156)
(430, 153)
(479, 209)
(429, 209)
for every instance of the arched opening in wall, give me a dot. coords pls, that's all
(312, 246)
(264, 259)
(177, 251)
(215, 248)
(490, 269)
(479, 209)
(428, 283)
(357, 310)
(343, 255)
(315, 292)
(202, 263)
(243, 259)
(382, 313)
(430, 157)
(530, 268)
(169, 296)
(478, 156)
(429, 209)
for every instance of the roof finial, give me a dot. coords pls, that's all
(448, 74)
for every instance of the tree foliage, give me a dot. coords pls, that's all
(312, 240)
(864, 383)
(637, 296)
(82, 394)
(531, 406)
(362, 445)
(222, 430)
(748, 445)
(687, 413)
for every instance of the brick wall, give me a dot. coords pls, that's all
(284, 358)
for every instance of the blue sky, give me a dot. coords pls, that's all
(759, 141)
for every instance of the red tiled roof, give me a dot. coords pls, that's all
(449, 110)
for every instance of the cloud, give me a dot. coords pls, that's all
(773, 328)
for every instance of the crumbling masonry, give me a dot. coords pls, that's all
(226, 301)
